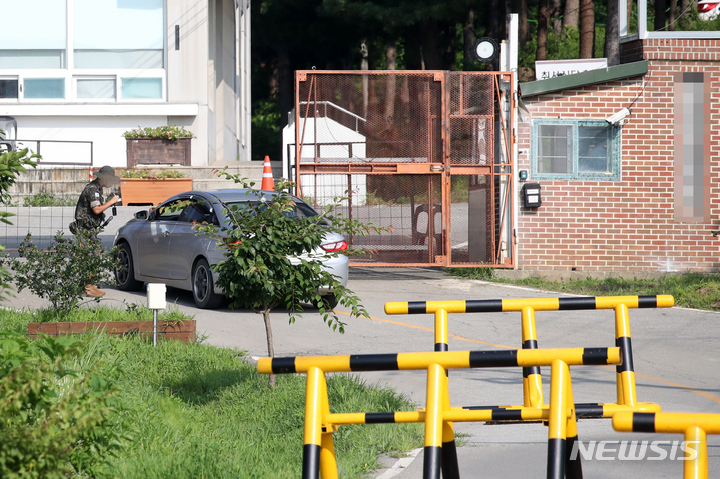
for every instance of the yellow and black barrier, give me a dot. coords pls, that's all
(532, 381)
(318, 449)
(694, 426)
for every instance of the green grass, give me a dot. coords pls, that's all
(214, 416)
(691, 290)
(132, 312)
(197, 411)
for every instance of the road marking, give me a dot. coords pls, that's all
(704, 394)
(431, 330)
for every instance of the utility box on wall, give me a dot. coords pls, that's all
(531, 195)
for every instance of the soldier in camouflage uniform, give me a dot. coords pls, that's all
(89, 212)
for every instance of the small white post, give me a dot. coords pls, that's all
(155, 301)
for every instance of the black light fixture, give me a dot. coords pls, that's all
(486, 49)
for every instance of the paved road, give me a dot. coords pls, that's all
(676, 353)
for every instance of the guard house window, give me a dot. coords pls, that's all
(575, 150)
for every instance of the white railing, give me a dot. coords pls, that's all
(332, 105)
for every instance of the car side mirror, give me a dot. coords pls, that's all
(141, 215)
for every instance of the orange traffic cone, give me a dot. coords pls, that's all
(267, 182)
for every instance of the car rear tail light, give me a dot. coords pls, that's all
(339, 246)
(231, 244)
(706, 7)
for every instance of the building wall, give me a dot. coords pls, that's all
(187, 81)
(202, 94)
(626, 225)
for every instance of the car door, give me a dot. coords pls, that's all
(154, 240)
(186, 241)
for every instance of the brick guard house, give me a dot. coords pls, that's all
(642, 196)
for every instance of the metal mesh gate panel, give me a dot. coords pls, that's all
(399, 203)
(414, 152)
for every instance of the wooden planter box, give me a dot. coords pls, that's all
(155, 151)
(178, 330)
(143, 191)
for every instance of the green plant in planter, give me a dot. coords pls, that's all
(168, 132)
(60, 273)
(151, 175)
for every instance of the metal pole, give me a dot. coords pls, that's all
(312, 438)
(155, 316)
(432, 464)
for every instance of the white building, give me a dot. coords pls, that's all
(326, 140)
(89, 70)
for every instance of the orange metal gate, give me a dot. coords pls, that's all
(426, 154)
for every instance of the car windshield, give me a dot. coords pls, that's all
(301, 210)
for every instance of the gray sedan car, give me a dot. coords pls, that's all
(163, 246)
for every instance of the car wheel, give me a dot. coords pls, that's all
(203, 288)
(124, 271)
(329, 300)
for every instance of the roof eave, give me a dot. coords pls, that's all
(590, 77)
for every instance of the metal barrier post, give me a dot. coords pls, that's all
(694, 426)
(433, 423)
(317, 443)
(573, 467)
(696, 468)
(328, 463)
(626, 393)
(532, 380)
(312, 438)
(557, 422)
(441, 330)
(450, 468)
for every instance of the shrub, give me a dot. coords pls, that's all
(60, 273)
(45, 199)
(55, 421)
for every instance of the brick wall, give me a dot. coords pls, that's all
(625, 225)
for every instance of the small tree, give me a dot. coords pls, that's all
(257, 272)
(12, 164)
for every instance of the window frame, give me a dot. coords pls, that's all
(208, 218)
(19, 87)
(615, 148)
(176, 207)
(74, 89)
